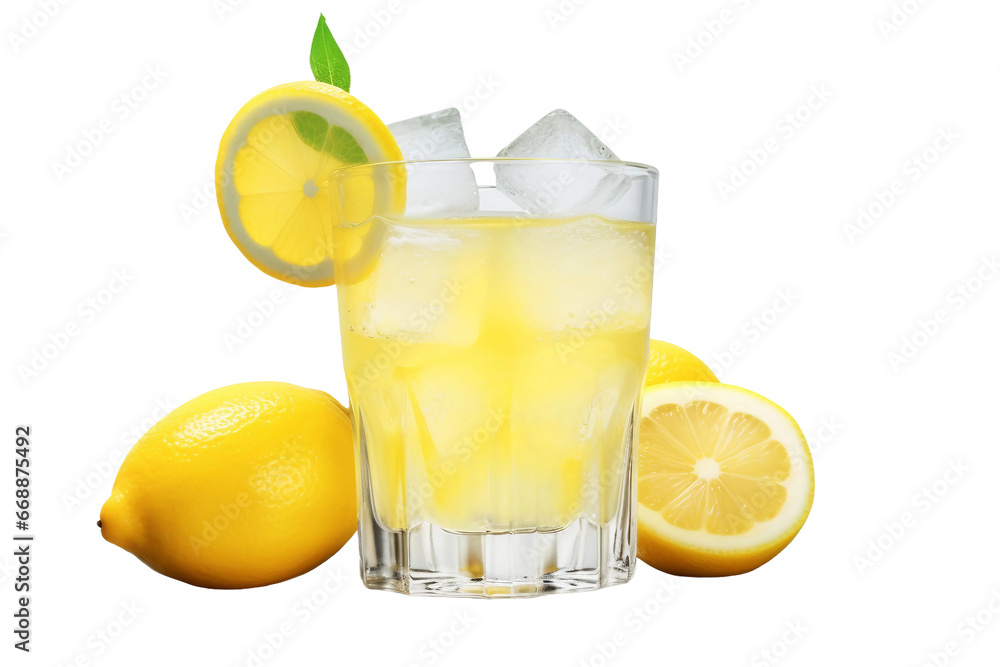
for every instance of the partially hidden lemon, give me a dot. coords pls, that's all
(243, 486)
(669, 363)
(272, 178)
(725, 479)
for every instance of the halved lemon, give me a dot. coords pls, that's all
(725, 479)
(272, 177)
(669, 363)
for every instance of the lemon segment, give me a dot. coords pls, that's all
(273, 179)
(725, 479)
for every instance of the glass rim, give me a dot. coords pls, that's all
(642, 167)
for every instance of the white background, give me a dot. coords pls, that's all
(857, 589)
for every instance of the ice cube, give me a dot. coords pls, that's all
(455, 397)
(454, 436)
(436, 190)
(568, 420)
(429, 286)
(604, 271)
(560, 188)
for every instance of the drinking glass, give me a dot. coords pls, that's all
(494, 319)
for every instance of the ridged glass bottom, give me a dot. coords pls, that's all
(568, 549)
(427, 560)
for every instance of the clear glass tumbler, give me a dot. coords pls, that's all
(494, 317)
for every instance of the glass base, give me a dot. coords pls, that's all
(428, 560)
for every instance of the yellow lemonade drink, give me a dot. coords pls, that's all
(495, 367)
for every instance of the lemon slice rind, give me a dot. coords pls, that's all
(765, 538)
(337, 108)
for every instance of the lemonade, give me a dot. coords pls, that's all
(495, 366)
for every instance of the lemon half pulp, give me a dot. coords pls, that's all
(272, 178)
(725, 479)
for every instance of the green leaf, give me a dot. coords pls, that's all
(327, 60)
(333, 140)
(311, 128)
(343, 146)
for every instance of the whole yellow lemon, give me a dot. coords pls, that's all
(244, 486)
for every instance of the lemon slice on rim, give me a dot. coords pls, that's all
(725, 479)
(273, 173)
